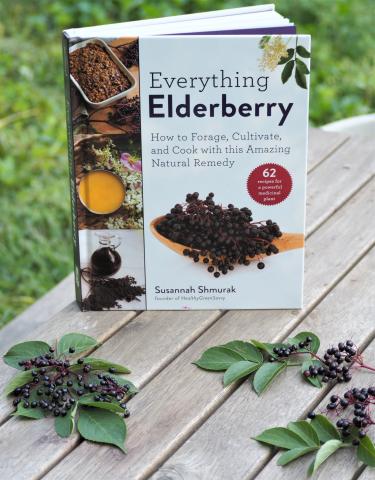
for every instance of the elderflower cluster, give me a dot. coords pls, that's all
(273, 51)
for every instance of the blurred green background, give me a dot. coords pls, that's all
(35, 239)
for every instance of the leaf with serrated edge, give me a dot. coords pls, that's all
(267, 347)
(18, 381)
(366, 452)
(246, 350)
(78, 341)
(239, 370)
(293, 454)
(325, 451)
(300, 78)
(305, 431)
(217, 359)
(281, 437)
(324, 429)
(25, 351)
(302, 66)
(99, 364)
(102, 426)
(313, 380)
(266, 374)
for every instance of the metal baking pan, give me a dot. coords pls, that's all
(121, 66)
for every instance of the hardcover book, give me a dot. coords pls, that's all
(187, 150)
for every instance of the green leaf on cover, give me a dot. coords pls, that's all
(25, 351)
(300, 78)
(102, 426)
(324, 429)
(302, 52)
(288, 57)
(266, 374)
(218, 358)
(287, 71)
(239, 370)
(302, 66)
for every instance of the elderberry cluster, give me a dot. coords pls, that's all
(55, 387)
(354, 410)
(220, 237)
(334, 360)
(282, 353)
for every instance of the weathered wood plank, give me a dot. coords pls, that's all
(322, 144)
(186, 396)
(346, 309)
(39, 313)
(148, 344)
(338, 178)
(343, 464)
(368, 474)
(320, 267)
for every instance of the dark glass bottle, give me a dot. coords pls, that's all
(106, 261)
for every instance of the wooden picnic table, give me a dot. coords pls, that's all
(184, 425)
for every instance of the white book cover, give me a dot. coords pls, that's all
(188, 170)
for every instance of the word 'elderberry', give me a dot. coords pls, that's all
(220, 237)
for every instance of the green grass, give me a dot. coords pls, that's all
(35, 240)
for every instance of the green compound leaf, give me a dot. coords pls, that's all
(300, 78)
(246, 350)
(112, 407)
(239, 370)
(102, 426)
(306, 432)
(218, 359)
(266, 374)
(18, 381)
(34, 413)
(281, 437)
(324, 452)
(293, 454)
(325, 429)
(64, 426)
(287, 71)
(25, 351)
(313, 380)
(302, 52)
(301, 337)
(99, 364)
(264, 40)
(288, 57)
(302, 66)
(366, 452)
(78, 341)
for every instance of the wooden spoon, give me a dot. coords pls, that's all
(288, 241)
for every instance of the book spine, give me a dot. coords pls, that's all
(73, 192)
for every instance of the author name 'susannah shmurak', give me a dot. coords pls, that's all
(197, 289)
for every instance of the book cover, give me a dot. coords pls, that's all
(188, 169)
